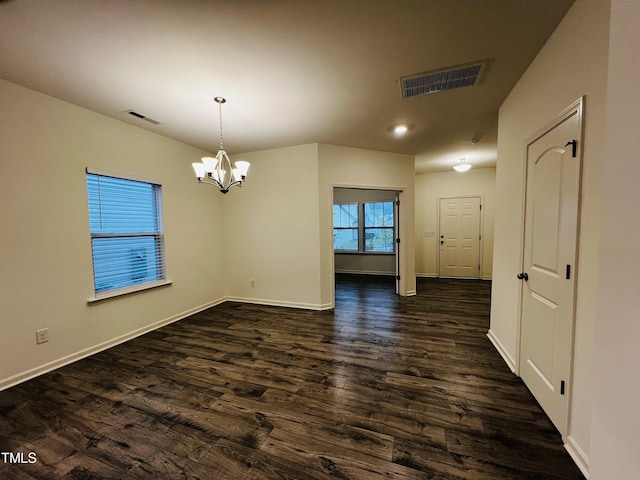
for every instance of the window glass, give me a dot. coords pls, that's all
(126, 232)
(345, 226)
(371, 231)
(378, 227)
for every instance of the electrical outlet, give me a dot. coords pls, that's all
(42, 335)
(252, 283)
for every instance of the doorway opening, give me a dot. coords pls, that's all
(366, 240)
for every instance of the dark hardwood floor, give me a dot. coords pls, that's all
(384, 387)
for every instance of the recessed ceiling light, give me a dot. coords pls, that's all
(400, 130)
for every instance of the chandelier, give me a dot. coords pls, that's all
(220, 171)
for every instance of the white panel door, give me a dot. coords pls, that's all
(460, 237)
(549, 257)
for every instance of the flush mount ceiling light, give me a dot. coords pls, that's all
(220, 171)
(463, 166)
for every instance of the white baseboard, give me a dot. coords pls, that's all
(87, 352)
(508, 359)
(578, 455)
(435, 275)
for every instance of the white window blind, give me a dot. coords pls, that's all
(379, 227)
(345, 226)
(127, 241)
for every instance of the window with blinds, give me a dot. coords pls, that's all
(127, 241)
(364, 227)
(379, 227)
(345, 226)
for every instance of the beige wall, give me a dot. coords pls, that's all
(430, 187)
(356, 167)
(615, 444)
(572, 63)
(46, 274)
(272, 230)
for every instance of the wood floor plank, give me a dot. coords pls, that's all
(335, 462)
(383, 387)
(247, 463)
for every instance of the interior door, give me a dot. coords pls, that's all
(460, 237)
(549, 259)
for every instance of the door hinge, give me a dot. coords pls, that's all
(562, 387)
(574, 144)
(398, 241)
(480, 206)
(397, 203)
(568, 272)
(397, 277)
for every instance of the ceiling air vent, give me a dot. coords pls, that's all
(142, 117)
(448, 78)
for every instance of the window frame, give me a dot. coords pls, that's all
(156, 234)
(351, 228)
(361, 229)
(391, 228)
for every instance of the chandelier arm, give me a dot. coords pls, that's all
(211, 181)
(225, 169)
(220, 186)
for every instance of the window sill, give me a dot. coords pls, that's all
(100, 297)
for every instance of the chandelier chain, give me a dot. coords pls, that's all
(220, 112)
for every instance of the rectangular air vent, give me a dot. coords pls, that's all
(142, 117)
(448, 78)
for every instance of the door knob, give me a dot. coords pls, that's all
(523, 276)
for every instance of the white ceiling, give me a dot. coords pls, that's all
(293, 71)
